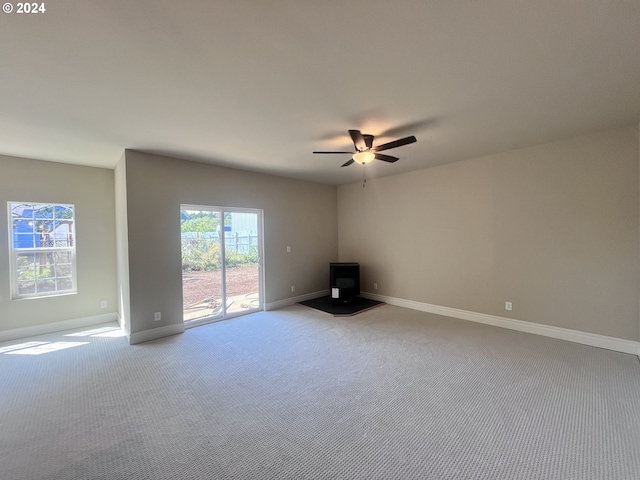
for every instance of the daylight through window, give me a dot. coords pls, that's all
(42, 249)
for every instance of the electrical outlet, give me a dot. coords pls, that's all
(508, 306)
(375, 286)
(293, 288)
(157, 316)
(103, 304)
(288, 249)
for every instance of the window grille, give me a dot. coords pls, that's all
(42, 249)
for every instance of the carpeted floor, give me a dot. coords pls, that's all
(297, 394)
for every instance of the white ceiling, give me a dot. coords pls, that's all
(260, 84)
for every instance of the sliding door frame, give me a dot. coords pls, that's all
(224, 315)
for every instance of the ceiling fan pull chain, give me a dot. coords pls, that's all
(364, 178)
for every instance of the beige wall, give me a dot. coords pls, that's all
(300, 214)
(91, 191)
(122, 244)
(552, 228)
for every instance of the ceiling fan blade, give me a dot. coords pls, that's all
(386, 158)
(351, 153)
(358, 140)
(368, 140)
(394, 144)
(346, 164)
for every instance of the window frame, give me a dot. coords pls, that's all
(46, 251)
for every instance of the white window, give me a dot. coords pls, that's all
(42, 249)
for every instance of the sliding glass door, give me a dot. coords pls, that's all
(221, 270)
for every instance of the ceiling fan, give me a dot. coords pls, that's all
(366, 152)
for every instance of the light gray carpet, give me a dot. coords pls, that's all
(295, 394)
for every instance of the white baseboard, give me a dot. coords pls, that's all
(31, 331)
(585, 338)
(293, 300)
(155, 333)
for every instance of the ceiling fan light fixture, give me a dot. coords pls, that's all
(364, 157)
